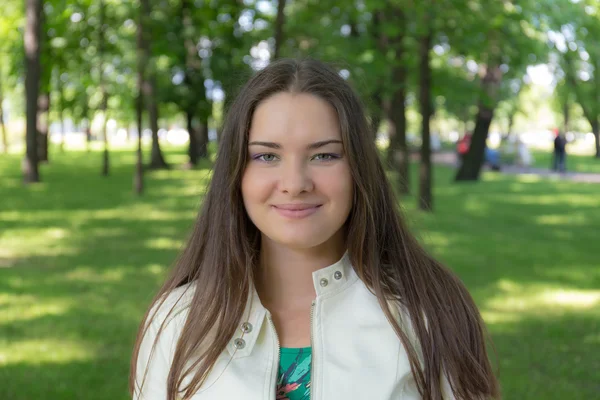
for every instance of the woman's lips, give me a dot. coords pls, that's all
(296, 211)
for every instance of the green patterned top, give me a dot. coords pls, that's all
(293, 378)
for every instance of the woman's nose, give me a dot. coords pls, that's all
(295, 178)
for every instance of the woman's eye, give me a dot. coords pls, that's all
(326, 157)
(268, 157)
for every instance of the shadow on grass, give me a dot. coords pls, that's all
(549, 358)
(80, 259)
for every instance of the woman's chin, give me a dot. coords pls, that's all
(300, 242)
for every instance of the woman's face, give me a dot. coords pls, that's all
(297, 187)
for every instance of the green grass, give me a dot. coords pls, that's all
(81, 256)
(575, 162)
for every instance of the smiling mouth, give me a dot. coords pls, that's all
(296, 210)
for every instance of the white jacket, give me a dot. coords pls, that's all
(356, 354)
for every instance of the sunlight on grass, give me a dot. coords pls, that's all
(107, 232)
(515, 301)
(436, 240)
(26, 308)
(163, 243)
(87, 274)
(592, 339)
(44, 351)
(561, 220)
(195, 190)
(580, 273)
(45, 241)
(571, 298)
(155, 269)
(528, 178)
(525, 178)
(555, 199)
(476, 207)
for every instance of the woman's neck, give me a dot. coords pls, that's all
(284, 277)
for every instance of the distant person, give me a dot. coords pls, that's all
(560, 152)
(524, 157)
(491, 156)
(462, 147)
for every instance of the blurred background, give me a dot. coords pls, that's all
(486, 114)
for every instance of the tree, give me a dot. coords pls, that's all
(102, 84)
(33, 27)
(471, 166)
(425, 172)
(193, 101)
(43, 107)
(393, 21)
(11, 20)
(578, 30)
(157, 160)
(279, 23)
(138, 181)
(2, 126)
(502, 37)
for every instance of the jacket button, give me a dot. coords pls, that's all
(324, 282)
(246, 327)
(337, 275)
(239, 344)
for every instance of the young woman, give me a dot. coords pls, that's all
(300, 279)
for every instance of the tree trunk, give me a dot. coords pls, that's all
(595, 127)
(399, 153)
(376, 113)
(61, 106)
(42, 125)
(157, 161)
(203, 138)
(425, 173)
(138, 181)
(392, 148)
(33, 28)
(193, 145)
(192, 76)
(2, 126)
(474, 159)
(193, 79)
(596, 131)
(103, 93)
(511, 123)
(32, 44)
(279, 22)
(86, 122)
(105, 154)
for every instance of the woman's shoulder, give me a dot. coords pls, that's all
(173, 305)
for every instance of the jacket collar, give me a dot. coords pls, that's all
(327, 281)
(332, 279)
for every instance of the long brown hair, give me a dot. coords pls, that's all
(222, 252)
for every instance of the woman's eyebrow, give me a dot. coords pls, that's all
(312, 146)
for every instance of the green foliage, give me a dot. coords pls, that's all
(357, 36)
(577, 54)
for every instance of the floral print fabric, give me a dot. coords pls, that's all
(293, 379)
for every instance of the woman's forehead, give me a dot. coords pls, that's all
(294, 119)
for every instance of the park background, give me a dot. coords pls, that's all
(92, 214)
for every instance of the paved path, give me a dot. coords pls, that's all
(449, 158)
